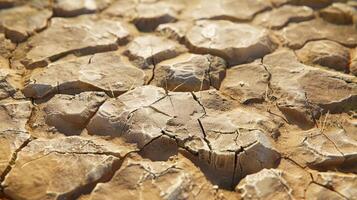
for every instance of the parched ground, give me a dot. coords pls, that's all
(178, 99)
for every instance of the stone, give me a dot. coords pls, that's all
(284, 68)
(145, 127)
(112, 116)
(10, 143)
(61, 167)
(325, 149)
(175, 179)
(227, 9)
(107, 72)
(170, 113)
(261, 185)
(68, 8)
(4, 63)
(296, 178)
(240, 118)
(288, 181)
(7, 89)
(316, 191)
(303, 91)
(298, 34)
(236, 43)
(353, 64)
(200, 131)
(6, 47)
(236, 148)
(190, 72)
(325, 53)
(148, 50)
(146, 15)
(70, 114)
(216, 101)
(161, 148)
(14, 115)
(56, 41)
(179, 105)
(151, 14)
(328, 184)
(178, 115)
(189, 99)
(122, 8)
(334, 180)
(338, 13)
(247, 82)
(176, 30)
(329, 92)
(28, 20)
(99, 73)
(280, 17)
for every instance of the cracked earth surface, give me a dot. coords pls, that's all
(178, 99)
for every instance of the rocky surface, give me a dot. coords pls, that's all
(291, 182)
(175, 179)
(180, 117)
(353, 63)
(14, 114)
(239, 85)
(325, 53)
(237, 43)
(298, 34)
(190, 72)
(149, 15)
(7, 87)
(21, 22)
(106, 72)
(6, 47)
(146, 15)
(43, 162)
(327, 148)
(338, 13)
(283, 15)
(68, 8)
(167, 99)
(309, 91)
(226, 9)
(11, 142)
(147, 51)
(82, 34)
(69, 113)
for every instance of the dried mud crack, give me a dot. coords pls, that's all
(178, 99)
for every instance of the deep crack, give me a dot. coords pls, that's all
(13, 160)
